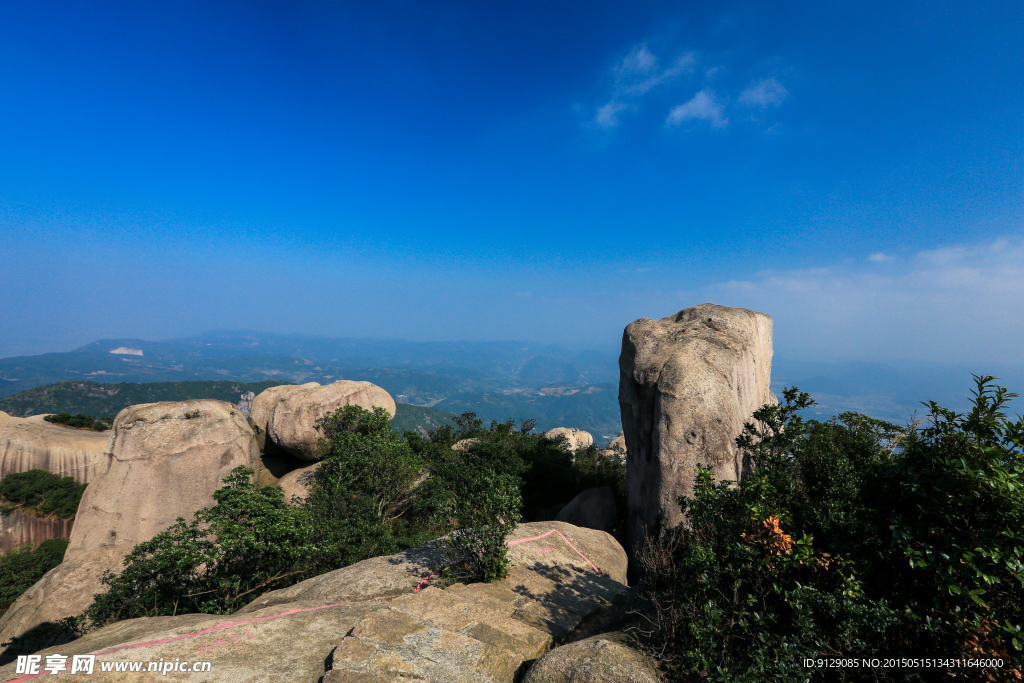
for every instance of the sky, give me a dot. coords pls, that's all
(544, 171)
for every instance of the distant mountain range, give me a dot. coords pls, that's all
(497, 380)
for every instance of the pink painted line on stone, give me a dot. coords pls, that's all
(556, 531)
(218, 627)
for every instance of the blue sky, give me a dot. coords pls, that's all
(541, 171)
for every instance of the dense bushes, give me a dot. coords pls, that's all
(20, 569)
(375, 493)
(80, 421)
(360, 500)
(250, 542)
(42, 492)
(852, 538)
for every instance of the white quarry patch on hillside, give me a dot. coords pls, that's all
(125, 351)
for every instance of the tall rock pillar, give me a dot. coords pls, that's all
(687, 384)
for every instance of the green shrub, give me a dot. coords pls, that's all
(20, 569)
(79, 421)
(845, 541)
(362, 489)
(250, 542)
(43, 492)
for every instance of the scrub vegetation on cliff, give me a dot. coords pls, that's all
(852, 539)
(41, 492)
(20, 569)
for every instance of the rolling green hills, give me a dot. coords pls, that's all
(418, 418)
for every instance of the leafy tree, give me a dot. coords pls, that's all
(250, 542)
(362, 488)
(482, 480)
(959, 524)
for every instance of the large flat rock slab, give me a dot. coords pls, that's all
(385, 620)
(267, 646)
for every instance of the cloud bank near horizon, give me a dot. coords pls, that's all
(951, 304)
(962, 303)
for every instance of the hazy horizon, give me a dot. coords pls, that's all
(541, 173)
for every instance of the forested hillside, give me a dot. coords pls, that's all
(99, 400)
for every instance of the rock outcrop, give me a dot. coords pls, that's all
(296, 482)
(593, 509)
(263, 406)
(164, 461)
(382, 620)
(616, 445)
(574, 438)
(244, 404)
(607, 658)
(64, 591)
(287, 415)
(31, 443)
(687, 385)
(19, 528)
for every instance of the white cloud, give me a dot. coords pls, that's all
(608, 115)
(637, 74)
(879, 257)
(703, 107)
(762, 93)
(953, 304)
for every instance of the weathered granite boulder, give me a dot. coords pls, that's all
(64, 591)
(687, 384)
(296, 483)
(616, 445)
(244, 404)
(463, 444)
(593, 509)
(263, 406)
(164, 461)
(381, 620)
(607, 658)
(574, 438)
(290, 413)
(32, 443)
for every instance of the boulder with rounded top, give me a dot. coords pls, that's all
(606, 658)
(592, 509)
(291, 421)
(263, 407)
(164, 461)
(616, 446)
(574, 438)
(297, 482)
